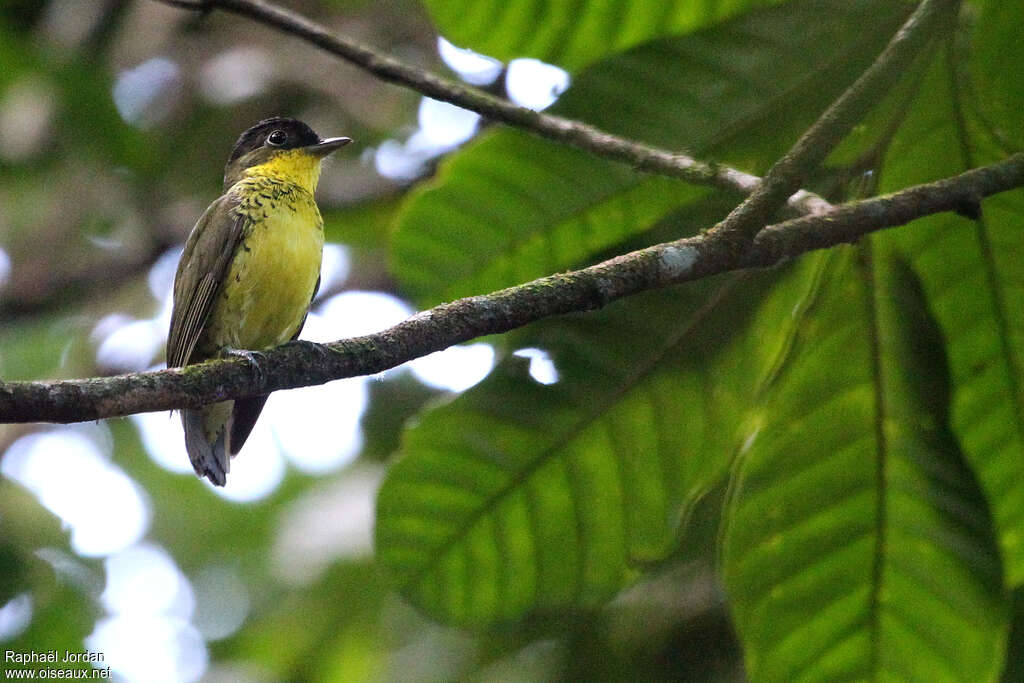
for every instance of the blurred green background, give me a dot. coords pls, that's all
(116, 118)
(811, 472)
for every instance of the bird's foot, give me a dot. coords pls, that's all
(323, 352)
(255, 359)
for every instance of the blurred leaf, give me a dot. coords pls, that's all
(573, 34)
(1014, 671)
(519, 497)
(857, 544)
(363, 225)
(996, 59)
(972, 275)
(513, 207)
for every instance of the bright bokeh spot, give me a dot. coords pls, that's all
(236, 74)
(74, 479)
(456, 368)
(351, 314)
(5, 267)
(141, 94)
(150, 648)
(161, 274)
(334, 267)
(542, 368)
(334, 522)
(444, 124)
(256, 471)
(164, 440)
(317, 428)
(472, 67)
(144, 579)
(222, 602)
(534, 84)
(147, 635)
(15, 616)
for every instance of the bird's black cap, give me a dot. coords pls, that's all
(292, 133)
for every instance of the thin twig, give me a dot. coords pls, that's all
(683, 260)
(600, 143)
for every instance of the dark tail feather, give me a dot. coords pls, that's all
(210, 460)
(243, 419)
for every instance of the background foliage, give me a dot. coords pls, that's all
(808, 473)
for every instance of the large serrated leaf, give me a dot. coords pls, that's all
(573, 34)
(512, 207)
(857, 544)
(973, 275)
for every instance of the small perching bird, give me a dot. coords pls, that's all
(247, 277)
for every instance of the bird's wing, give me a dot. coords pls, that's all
(203, 266)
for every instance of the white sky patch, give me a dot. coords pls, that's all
(355, 313)
(542, 368)
(256, 471)
(164, 440)
(131, 346)
(335, 267)
(331, 523)
(456, 368)
(317, 428)
(144, 579)
(161, 274)
(147, 635)
(126, 344)
(444, 125)
(235, 75)
(66, 469)
(472, 67)
(15, 616)
(393, 159)
(534, 84)
(142, 93)
(150, 648)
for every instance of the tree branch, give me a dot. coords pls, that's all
(296, 365)
(581, 135)
(793, 169)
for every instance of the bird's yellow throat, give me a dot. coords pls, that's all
(294, 166)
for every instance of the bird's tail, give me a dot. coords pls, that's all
(205, 434)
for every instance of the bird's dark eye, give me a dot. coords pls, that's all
(277, 138)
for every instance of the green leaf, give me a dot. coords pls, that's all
(512, 207)
(572, 34)
(973, 275)
(996, 60)
(520, 497)
(857, 544)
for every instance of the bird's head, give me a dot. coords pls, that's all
(283, 148)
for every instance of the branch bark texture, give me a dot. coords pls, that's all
(567, 131)
(793, 169)
(304, 364)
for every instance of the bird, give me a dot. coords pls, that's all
(248, 275)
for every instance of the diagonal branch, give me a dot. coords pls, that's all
(581, 135)
(787, 174)
(296, 365)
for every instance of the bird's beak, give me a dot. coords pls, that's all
(327, 145)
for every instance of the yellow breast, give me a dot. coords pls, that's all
(274, 272)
